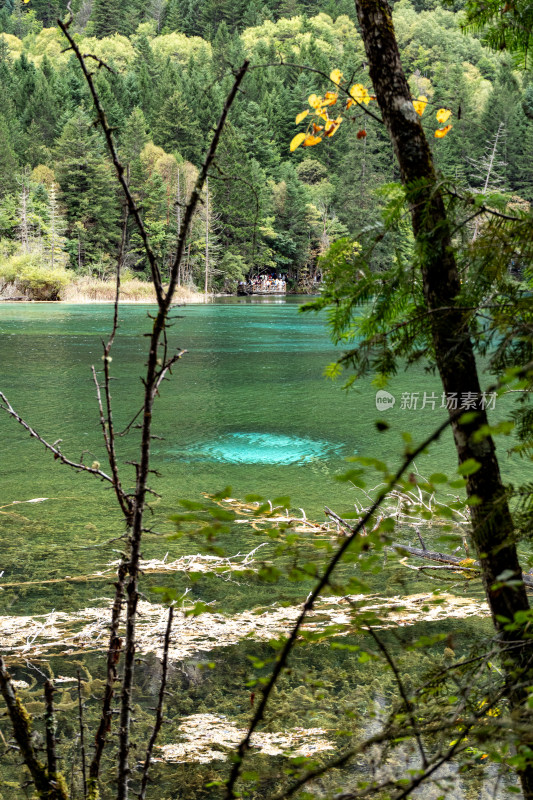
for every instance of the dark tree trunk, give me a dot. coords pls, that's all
(492, 525)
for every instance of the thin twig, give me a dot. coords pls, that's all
(6, 406)
(322, 74)
(154, 269)
(50, 731)
(159, 711)
(113, 656)
(82, 739)
(407, 703)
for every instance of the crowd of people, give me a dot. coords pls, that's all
(264, 283)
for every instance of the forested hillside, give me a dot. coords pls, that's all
(168, 65)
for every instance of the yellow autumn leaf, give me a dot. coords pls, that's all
(443, 114)
(302, 116)
(297, 141)
(359, 93)
(420, 104)
(330, 98)
(314, 101)
(336, 76)
(332, 126)
(440, 133)
(311, 140)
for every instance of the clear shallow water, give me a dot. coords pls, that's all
(248, 407)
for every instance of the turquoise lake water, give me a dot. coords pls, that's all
(247, 407)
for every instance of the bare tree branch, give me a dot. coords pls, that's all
(21, 721)
(82, 739)
(119, 168)
(5, 405)
(407, 703)
(50, 731)
(159, 711)
(113, 656)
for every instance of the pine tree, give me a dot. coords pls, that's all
(25, 227)
(109, 17)
(88, 191)
(54, 240)
(183, 16)
(520, 150)
(221, 45)
(134, 136)
(41, 109)
(8, 161)
(48, 11)
(254, 14)
(242, 200)
(176, 130)
(173, 18)
(256, 137)
(291, 221)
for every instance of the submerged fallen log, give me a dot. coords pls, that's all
(461, 564)
(61, 633)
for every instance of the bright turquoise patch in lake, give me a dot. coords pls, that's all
(262, 448)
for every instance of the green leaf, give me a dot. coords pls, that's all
(468, 417)
(438, 477)
(284, 501)
(222, 514)
(191, 505)
(223, 495)
(364, 658)
(197, 609)
(458, 484)
(469, 467)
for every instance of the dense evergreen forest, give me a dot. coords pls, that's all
(168, 65)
